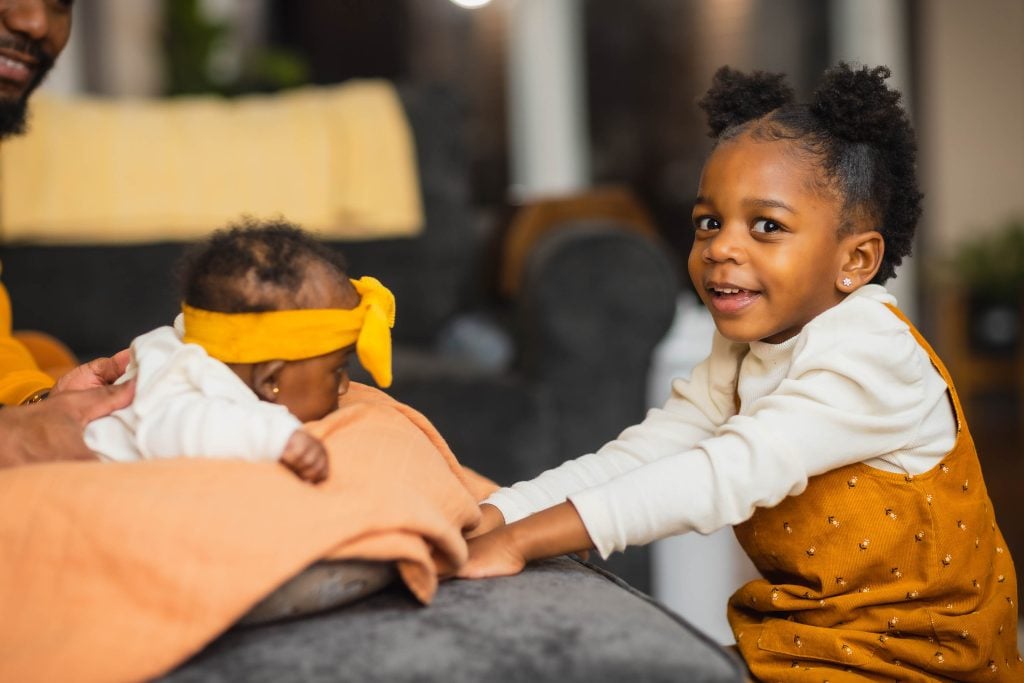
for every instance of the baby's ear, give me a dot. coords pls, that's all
(861, 258)
(265, 379)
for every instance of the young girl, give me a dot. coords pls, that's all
(268, 322)
(822, 426)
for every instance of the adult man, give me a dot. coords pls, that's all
(32, 34)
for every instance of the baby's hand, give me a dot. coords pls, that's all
(305, 456)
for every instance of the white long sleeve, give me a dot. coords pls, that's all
(188, 404)
(853, 386)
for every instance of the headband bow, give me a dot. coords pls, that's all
(301, 333)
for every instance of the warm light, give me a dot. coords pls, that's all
(471, 4)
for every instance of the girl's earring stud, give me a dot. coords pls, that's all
(846, 283)
(275, 390)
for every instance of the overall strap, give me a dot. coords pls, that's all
(936, 361)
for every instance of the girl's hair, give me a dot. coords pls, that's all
(854, 127)
(253, 266)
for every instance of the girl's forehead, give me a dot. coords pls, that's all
(759, 167)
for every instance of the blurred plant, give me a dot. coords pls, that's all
(992, 265)
(192, 43)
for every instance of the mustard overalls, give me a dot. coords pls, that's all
(874, 575)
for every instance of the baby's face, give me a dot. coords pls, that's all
(310, 388)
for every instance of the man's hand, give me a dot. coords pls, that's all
(95, 373)
(52, 429)
(305, 456)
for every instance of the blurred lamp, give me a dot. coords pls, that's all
(471, 4)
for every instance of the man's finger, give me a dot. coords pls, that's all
(108, 369)
(90, 404)
(121, 360)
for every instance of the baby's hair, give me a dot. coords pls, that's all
(253, 266)
(855, 127)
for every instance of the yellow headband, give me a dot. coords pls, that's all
(302, 333)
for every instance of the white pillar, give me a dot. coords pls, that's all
(549, 147)
(129, 54)
(68, 74)
(874, 32)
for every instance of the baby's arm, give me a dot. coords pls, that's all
(194, 425)
(305, 455)
(202, 426)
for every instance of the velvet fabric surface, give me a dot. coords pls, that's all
(560, 620)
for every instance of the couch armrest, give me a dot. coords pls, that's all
(558, 620)
(595, 301)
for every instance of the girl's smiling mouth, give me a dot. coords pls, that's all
(728, 298)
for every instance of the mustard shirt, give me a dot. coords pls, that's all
(20, 377)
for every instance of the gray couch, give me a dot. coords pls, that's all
(560, 620)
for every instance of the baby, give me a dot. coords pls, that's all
(269, 320)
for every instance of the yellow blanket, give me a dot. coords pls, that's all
(117, 572)
(337, 160)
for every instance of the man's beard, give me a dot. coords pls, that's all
(13, 116)
(14, 111)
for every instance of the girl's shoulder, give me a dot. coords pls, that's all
(865, 313)
(862, 334)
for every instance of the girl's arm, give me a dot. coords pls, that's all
(506, 550)
(843, 402)
(854, 393)
(694, 412)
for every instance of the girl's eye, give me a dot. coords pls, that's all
(765, 225)
(706, 223)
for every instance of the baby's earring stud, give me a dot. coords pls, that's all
(847, 282)
(275, 390)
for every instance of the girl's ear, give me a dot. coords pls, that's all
(861, 255)
(265, 378)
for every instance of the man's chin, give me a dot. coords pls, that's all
(13, 115)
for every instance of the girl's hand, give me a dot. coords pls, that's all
(506, 550)
(305, 456)
(492, 554)
(490, 518)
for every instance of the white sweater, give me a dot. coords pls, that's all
(853, 386)
(188, 404)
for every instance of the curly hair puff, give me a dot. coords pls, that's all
(854, 127)
(253, 266)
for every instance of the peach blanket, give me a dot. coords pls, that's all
(117, 572)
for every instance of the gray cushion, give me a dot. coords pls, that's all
(560, 620)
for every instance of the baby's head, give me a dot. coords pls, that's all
(800, 204)
(277, 307)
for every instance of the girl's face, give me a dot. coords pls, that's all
(766, 256)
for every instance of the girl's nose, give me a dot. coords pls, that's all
(725, 245)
